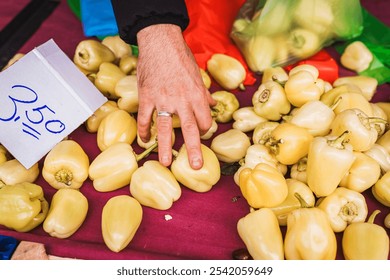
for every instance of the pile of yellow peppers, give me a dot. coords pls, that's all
(314, 148)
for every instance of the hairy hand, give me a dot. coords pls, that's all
(169, 80)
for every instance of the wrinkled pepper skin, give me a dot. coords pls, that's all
(13, 172)
(201, 180)
(118, 126)
(66, 165)
(121, 218)
(260, 232)
(231, 145)
(309, 236)
(344, 207)
(155, 186)
(263, 186)
(67, 212)
(23, 206)
(381, 189)
(365, 241)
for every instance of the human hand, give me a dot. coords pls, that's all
(169, 80)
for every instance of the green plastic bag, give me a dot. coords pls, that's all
(273, 33)
(376, 37)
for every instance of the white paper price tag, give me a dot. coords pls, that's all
(43, 98)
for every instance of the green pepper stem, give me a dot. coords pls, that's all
(339, 141)
(372, 216)
(336, 103)
(241, 87)
(146, 152)
(301, 201)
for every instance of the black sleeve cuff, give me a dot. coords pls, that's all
(132, 16)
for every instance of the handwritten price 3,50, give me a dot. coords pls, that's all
(34, 116)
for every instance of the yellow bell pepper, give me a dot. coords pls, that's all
(153, 138)
(366, 84)
(277, 74)
(378, 112)
(262, 242)
(381, 189)
(93, 122)
(353, 100)
(246, 119)
(119, 47)
(362, 175)
(309, 235)
(365, 241)
(205, 78)
(384, 141)
(260, 52)
(298, 170)
(118, 126)
(316, 16)
(381, 156)
(328, 160)
(262, 132)
(256, 154)
(201, 180)
(213, 128)
(128, 64)
(289, 143)
(303, 85)
(67, 212)
(121, 218)
(315, 116)
(363, 133)
(344, 207)
(292, 202)
(387, 221)
(90, 53)
(231, 145)
(112, 169)
(356, 57)
(155, 186)
(3, 154)
(331, 96)
(23, 206)
(106, 79)
(227, 71)
(385, 106)
(66, 165)
(13, 172)
(126, 89)
(227, 104)
(303, 43)
(270, 102)
(263, 186)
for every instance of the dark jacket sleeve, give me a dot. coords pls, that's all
(134, 15)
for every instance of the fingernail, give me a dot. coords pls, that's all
(196, 163)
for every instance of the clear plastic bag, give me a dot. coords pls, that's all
(273, 33)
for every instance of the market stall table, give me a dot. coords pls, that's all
(202, 225)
